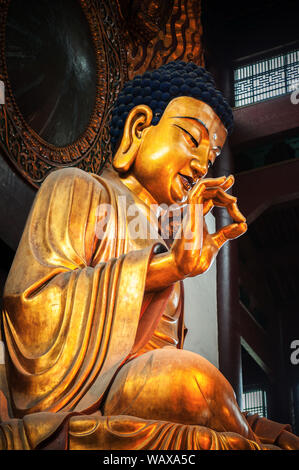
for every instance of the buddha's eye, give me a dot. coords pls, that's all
(193, 142)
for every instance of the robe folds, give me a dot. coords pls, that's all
(76, 314)
(72, 301)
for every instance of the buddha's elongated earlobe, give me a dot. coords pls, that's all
(137, 121)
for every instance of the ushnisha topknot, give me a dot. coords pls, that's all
(158, 87)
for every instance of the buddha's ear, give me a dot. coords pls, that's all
(137, 121)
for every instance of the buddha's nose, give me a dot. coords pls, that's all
(198, 168)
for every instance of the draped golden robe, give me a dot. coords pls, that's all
(75, 311)
(72, 302)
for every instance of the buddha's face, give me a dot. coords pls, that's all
(178, 151)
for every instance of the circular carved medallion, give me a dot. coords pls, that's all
(63, 64)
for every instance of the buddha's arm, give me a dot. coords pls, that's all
(162, 272)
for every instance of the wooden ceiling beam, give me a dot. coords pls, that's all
(262, 120)
(256, 341)
(261, 188)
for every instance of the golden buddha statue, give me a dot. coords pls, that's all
(93, 314)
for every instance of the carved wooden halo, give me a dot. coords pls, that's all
(31, 154)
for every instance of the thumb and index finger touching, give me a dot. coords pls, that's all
(229, 232)
(222, 182)
(239, 226)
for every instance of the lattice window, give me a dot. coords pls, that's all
(266, 79)
(255, 401)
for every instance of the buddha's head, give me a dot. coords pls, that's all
(168, 126)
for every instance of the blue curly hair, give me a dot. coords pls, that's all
(158, 87)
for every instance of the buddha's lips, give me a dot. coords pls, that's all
(187, 181)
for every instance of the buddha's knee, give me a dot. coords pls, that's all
(171, 384)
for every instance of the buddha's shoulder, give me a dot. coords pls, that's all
(74, 180)
(68, 174)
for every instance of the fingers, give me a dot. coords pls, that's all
(235, 213)
(212, 192)
(229, 232)
(221, 199)
(196, 192)
(201, 185)
(220, 196)
(214, 182)
(228, 183)
(222, 182)
(207, 206)
(225, 182)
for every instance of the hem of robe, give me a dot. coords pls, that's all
(76, 431)
(267, 431)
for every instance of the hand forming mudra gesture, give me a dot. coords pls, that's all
(194, 248)
(202, 246)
